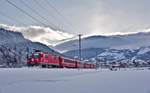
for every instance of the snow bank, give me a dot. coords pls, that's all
(36, 80)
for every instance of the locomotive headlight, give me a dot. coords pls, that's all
(32, 59)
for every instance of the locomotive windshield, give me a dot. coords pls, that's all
(36, 55)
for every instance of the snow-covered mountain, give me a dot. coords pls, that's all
(14, 47)
(130, 41)
(141, 54)
(111, 48)
(109, 55)
(40, 34)
(86, 53)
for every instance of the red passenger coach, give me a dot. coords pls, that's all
(69, 63)
(48, 60)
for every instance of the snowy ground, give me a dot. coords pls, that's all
(36, 80)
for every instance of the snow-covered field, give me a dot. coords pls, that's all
(36, 80)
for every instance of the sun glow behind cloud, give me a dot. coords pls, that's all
(90, 17)
(109, 17)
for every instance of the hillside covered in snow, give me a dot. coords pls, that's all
(129, 56)
(14, 47)
(141, 56)
(115, 48)
(45, 35)
(130, 41)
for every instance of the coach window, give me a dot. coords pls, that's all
(36, 56)
(55, 57)
(46, 56)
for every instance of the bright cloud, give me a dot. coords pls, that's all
(44, 35)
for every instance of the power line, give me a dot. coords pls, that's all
(10, 18)
(67, 38)
(32, 17)
(59, 13)
(33, 10)
(49, 4)
(43, 7)
(40, 5)
(26, 13)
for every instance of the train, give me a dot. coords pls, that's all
(49, 60)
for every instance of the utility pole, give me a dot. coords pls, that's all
(80, 46)
(96, 60)
(27, 53)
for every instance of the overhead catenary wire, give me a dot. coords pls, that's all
(34, 18)
(40, 5)
(11, 18)
(37, 13)
(53, 17)
(63, 17)
(26, 13)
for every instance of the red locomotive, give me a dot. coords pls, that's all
(48, 60)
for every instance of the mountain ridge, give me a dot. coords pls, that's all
(14, 47)
(129, 41)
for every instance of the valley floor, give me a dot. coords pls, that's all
(38, 80)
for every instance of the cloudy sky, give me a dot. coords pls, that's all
(90, 17)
